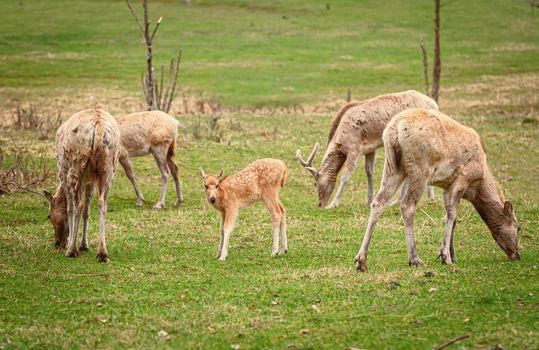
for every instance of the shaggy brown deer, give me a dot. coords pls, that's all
(428, 147)
(260, 181)
(356, 131)
(152, 132)
(87, 147)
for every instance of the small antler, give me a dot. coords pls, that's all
(309, 163)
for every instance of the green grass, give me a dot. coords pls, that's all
(162, 274)
(259, 53)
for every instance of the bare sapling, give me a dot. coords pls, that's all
(258, 182)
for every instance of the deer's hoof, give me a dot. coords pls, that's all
(445, 258)
(83, 248)
(72, 254)
(159, 206)
(332, 206)
(221, 258)
(361, 264)
(140, 202)
(415, 262)
(102, 257)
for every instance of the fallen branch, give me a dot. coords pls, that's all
(452, 341)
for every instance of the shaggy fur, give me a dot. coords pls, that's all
(427, 147)
(152, 132)
(87, 147)
(356, 131)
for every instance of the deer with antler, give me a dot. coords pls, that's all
(356, 131)
(87, 147)
(155, 133)
(260, 181)
(427, 147)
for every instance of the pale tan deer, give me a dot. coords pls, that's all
(260, 181)
(427, 147)
(87, 147)
(152, 132)
(357, 131)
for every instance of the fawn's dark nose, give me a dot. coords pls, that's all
(212, 200)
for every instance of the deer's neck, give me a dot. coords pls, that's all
(489, 202)
(332, 164)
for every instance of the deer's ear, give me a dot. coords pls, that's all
(220, 174)
(508, 208)
(48, 196)
(202, 174)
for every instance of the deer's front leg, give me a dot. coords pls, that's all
(228, 225)
(349, 166)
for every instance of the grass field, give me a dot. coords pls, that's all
(162, 275)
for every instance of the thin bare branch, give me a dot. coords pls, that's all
(135, 15)
(452, 341)
(425, 66)
(177, 72)
(156, 27)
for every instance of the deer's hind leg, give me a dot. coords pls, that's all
(173, 167)
(160, 155)
(414, 191)
(128, 168)
(88, 194)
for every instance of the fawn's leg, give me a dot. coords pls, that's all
(221, 234)
(284, 241)
(228, 225)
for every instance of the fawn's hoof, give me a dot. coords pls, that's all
(83, 248)
(221, 258)
(102, 257)
(72, 254)
(332, 205)
(159, 206)
(140, 202)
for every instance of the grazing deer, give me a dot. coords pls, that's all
(260, 181)
(152, 132)
(428, 147)
(87, 147)
(356, 131)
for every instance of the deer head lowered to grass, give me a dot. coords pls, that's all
(427, 147)
(87, 147)
(260, 181)
(356, 131)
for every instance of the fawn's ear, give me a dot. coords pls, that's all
(48, 196)
(202, 174)
(220, 174)
(508, 208)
